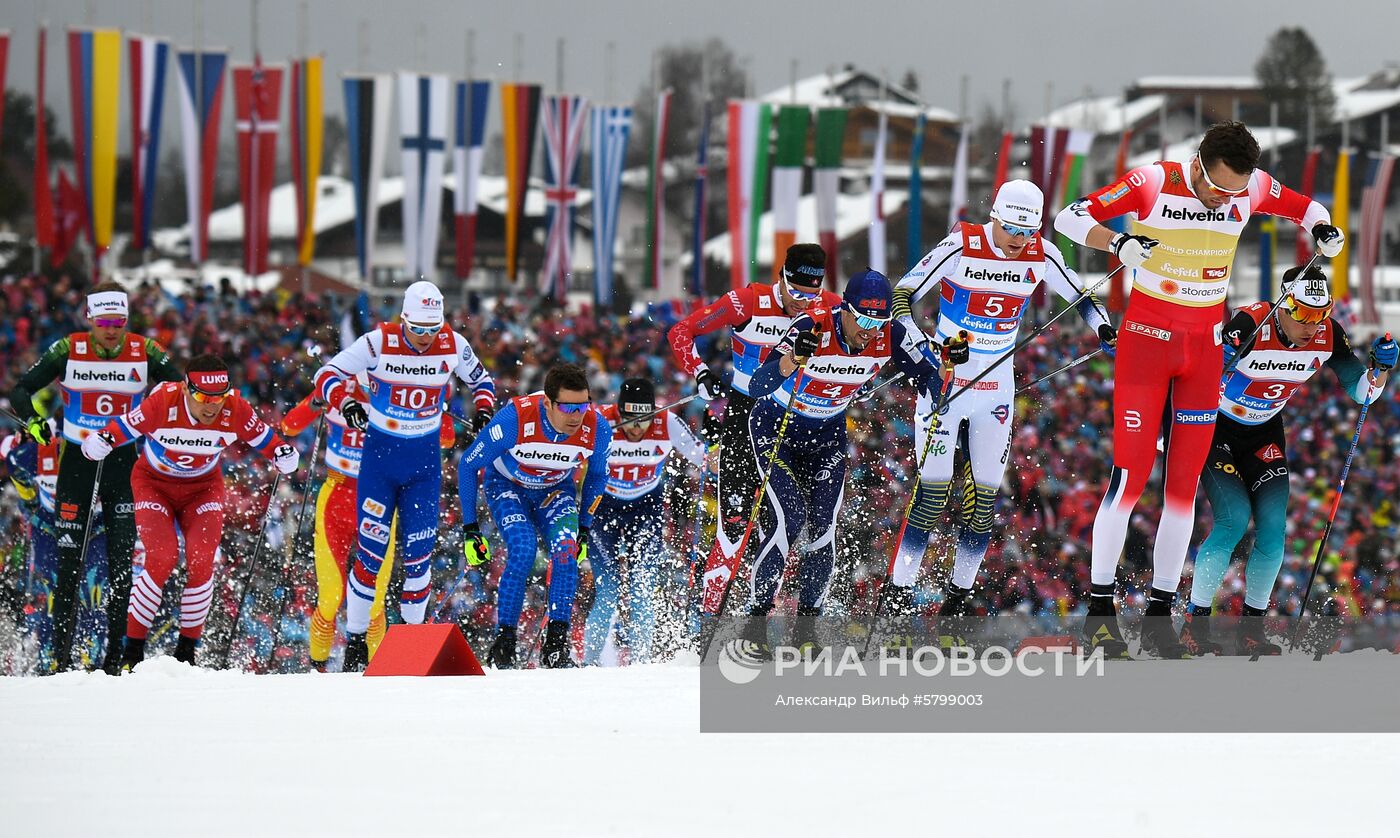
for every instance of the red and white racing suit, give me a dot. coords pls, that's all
(1169, 344)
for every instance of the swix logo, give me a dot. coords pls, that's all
(420, 535)
(413, 369)
(1270, 453)
(1215, 273)
(1002, 413)
(1202, 215)
(1132, 420)
(984, 275)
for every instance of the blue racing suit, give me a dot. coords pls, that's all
(530, 491)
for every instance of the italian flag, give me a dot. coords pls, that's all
(749, 123)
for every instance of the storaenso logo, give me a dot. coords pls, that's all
(87, 375)
(985, 275)
(1194, 215)
(1277, 366)
(410, 369)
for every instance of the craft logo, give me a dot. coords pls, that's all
(1269, 453)
(1002, 413)
(1215, 273)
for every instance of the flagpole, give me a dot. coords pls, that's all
(609, 60)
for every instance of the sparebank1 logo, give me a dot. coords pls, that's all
(740, 661)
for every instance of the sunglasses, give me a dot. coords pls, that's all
(206, 398)
(867, 322)
(573, 407)
(1304, 313)
(1013, 230)
(799, 293)
(1228, 193)
(414, 328)
(109, 322)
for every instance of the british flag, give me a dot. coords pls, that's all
(564, 121)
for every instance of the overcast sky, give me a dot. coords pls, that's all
(1100, 45)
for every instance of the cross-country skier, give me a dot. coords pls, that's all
(178, 483)
(983, 276)
(531, 452)
(843, 348)
(104, 372)
(757, 317)
(628, 524)
(1186, 224)
(335, 519)
(1247, 471)
(409, 365)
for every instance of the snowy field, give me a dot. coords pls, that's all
(172, 751)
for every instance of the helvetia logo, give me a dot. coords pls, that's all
(740, 661)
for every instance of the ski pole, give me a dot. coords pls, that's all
(868, 394)
(248, 574)
(1332, 516)
(1071, 365)
(1037, 332)
(758, 497)
(301, 519)
(934, 422)
(665, 407)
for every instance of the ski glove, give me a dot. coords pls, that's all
(1329, 239)
(475, 546)
(39, 430)
(355, 415)
(708, 385)
(1384, 353)
(285, 458)
(97, 446)
(582, 546)
(803, 347)
(1133, 251)
(957, 349)
(481, 418)
(1108, 340)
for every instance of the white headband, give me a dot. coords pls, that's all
(107, 304)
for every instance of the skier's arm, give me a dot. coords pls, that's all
(255, 432)
(493, 442)
(1354, 376)
(474, 374)
(44, 372)
(686, 444)
(22, 456)
(356, 358)
(161, 364)
(1270, 197)
(1241, 327)
(1082, 221)
(299, 418)
(908, 357)
(595, 481)
(940, 262)
(1067, 285)
(730, 310)
(142, 419)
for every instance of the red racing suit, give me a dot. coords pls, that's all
(1169, 354)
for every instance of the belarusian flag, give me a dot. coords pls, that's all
(793, 121)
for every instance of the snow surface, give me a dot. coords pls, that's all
(170, 750)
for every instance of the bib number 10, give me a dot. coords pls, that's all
(414, 398)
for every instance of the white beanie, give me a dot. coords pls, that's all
(422, 303)
(1019, 202)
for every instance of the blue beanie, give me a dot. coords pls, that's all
(868, 293)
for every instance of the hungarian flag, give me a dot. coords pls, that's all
(43, 194)
(201, 95)
(257, 102)
(472, 100)
(793, 122)
(748, 172)
(826, 182)
(656, 191)
(148, 59)
(307, 120)
(520, 113)
(563, 127)
(94, 72)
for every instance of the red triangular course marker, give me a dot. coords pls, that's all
(432, 649)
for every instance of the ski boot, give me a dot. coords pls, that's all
(184, 650)
(1102, 632)
(133, 653)
(893, 625)
(554, 654)
(755, 632)
(502, 654)
(112, 661)
(952, 611)
(1250, 639)
(356, 653)
(1195, 633)
(1159, 638)
(804, 632)
(318, 666)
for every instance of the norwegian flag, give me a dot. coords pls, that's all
(1373, 200)
(564, 122)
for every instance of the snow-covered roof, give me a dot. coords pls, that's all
(1199, 82)
(1360, 103)
(820, 91)
(852, 216)
(1104, 114)
(1269, 138)
(335, 206)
